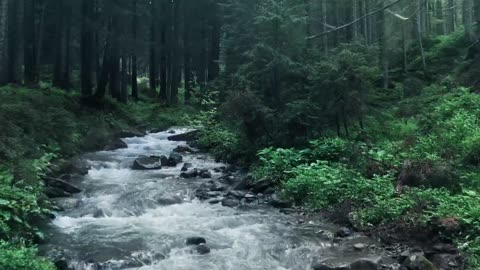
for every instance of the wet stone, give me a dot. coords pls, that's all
(195, 240)
(230, 202)
(186, 166)
(202, 249)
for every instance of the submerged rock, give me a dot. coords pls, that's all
(147, 163)
(186, 166)
(169, 200)
(202, 249)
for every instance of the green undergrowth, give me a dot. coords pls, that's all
(40, 126)
(440, 133)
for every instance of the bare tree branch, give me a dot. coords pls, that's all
(397, 15)
(355, 21)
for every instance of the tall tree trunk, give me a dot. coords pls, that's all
(420, 42)
(468, 19)
(451, 10)
(13, 53)
(30, 65)
(66, 80)
(59, 45)
(3, 40)
(175, 71)
(114, 61)
(163, 54)
(355, 17)
(324, 22)
(105, 71)
(214, 56)
(153, 46)
(87, 48)
(441, 29)
(187, 57)
(134, 51)
(384, 45)
(124, 80)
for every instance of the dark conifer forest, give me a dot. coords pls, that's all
(239, 134)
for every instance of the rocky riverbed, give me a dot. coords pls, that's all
(153, 202)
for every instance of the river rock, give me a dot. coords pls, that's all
(195, 240)
(219, 169)
(343, 232)
(238, 194)
(202, 249)
(447, 261)
(359, 246)
(186, 166)
(366, 264)
(331, 264)
(261, 185)
(99, 213)
(115, 144)
(230, 202)
(164, 160)
(205, 174)
(54, 192)
(242, 183)
(147, 163)
(249, 197)
(68, 203)
(156, 130)
(71, 166)
(169, 200)
(183, 149)
(418, 262)
(278, 201)
(215, 186)
(174, 159)
(129, 134)
(187, 137)
(61, 184)
(190, 174)
(59, 259)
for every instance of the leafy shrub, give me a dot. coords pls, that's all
(20, 257)
(277, 163)
(224, 143)
(386, 209)
(322, 185)
(330, 149)
(19, 205)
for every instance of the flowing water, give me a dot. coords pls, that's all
(118, 222)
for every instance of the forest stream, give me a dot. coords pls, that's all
(141, 219)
